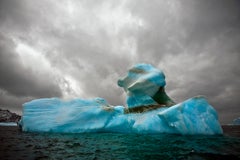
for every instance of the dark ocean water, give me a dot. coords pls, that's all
(15, 144)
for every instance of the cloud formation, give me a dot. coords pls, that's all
(74, 48)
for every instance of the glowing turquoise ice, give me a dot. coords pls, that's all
(144, 86)
(78, 115)
(141, 83)
(193, 116)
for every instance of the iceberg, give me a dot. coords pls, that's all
(149, 110)
(144, 86)
(236, 121)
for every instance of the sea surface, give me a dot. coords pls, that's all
(15, 144)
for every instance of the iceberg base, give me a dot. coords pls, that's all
(193, 116)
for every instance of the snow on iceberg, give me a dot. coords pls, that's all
(149, 110)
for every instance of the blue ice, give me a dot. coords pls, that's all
(144, 86)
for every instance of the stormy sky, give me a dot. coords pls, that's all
(80, 48)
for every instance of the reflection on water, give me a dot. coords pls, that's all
(18, 145)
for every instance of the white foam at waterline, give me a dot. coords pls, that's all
(8, 124)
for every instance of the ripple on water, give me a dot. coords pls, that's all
(115, 146)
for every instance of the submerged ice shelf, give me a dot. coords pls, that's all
(149, 110)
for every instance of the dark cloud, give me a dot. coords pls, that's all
(81, 48)
(19, 80)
